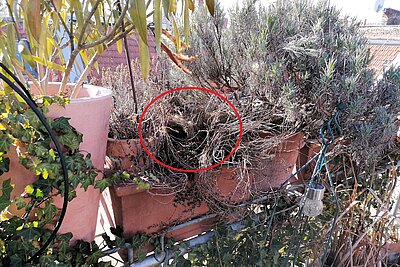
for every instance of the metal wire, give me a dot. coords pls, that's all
(25, 95)
(327, 135)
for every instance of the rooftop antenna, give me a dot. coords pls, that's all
(379, 5)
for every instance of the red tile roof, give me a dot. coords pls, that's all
(384, 45)
(382, 56)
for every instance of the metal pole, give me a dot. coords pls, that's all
(159, 258)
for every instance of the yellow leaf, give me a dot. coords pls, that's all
(49, 64)
(119, 46)
(84, 57)
(137, 12)
(172, 6)
(211, 6)
(96, 66)
(157, 23)
(11, 44)
(52, 154)
(190, 5)
(177, 35)
(144, 59)
(57, 47)
(45, 174)
(29, 189)
(2, 127)
(34, 19)
(43, 46)
(99, 48)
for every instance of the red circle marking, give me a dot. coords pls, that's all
(186, 89)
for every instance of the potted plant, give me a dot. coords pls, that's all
(65, 37)
(137, 184)
(290, 75)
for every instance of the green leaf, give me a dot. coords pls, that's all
(70, 140)
(20, 202)
(144, 59)
(6, 194)
(50, 211)
(29, 233)
(94, 258)
(77, 6)
(158, 24)
(137, 12)
(165, 4)
(186, 28)
(4, 164)
(61, 125)
(48, 260)
(211, 6)
(103, 184)
(40, 150)
(182, 262)
(38, 192)
(5, 143)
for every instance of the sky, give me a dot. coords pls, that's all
(363, 9)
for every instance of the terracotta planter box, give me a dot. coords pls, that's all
(265, 175)
(150, 211)
(153, 210)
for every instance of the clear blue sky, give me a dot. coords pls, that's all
(363, 9)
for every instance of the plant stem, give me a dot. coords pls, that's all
(13, 21)
(87, 21)
(128, 61)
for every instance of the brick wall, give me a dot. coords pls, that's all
(111, 58)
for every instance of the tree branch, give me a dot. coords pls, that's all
(60, 18)
(87, 21)
(13, 21)
(110, 34)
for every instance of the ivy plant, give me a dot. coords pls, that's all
(22, 235)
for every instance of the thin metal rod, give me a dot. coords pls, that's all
(128, 59)
(157, 258)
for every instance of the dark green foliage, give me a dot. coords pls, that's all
(23, 133)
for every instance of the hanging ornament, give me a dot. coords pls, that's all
(313, 205)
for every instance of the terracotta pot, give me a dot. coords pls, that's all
(128, 154)
(263, 176)
(310, 149)
(89, 114)
(150, 211)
